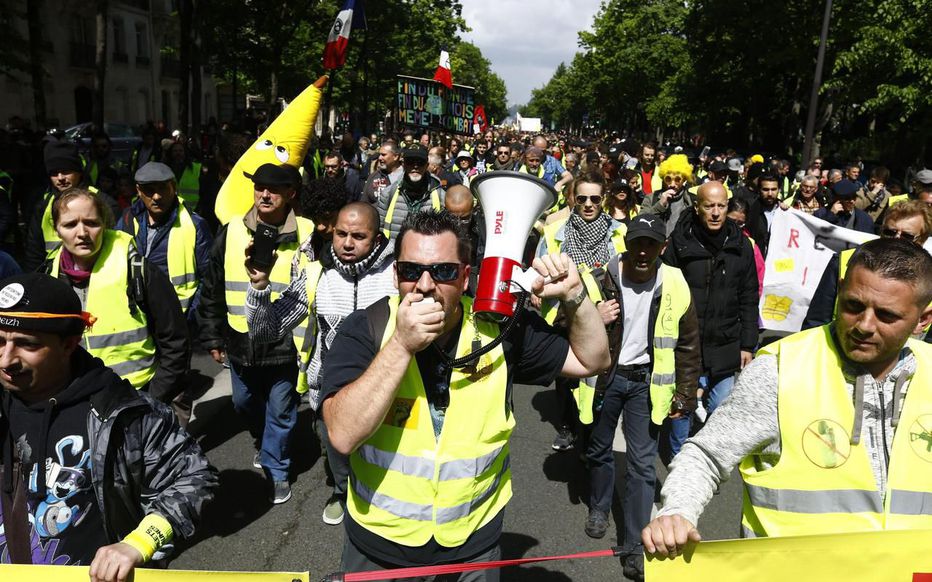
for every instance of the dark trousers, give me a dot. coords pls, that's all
(629, 396)
(355, 561)
(336, 464)
(567, 411)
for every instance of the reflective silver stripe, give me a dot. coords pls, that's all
(664, 342)
(469, 468)
(747, 532)
(411, 466)
(236, 309)
(127, 368)
(910, 502)
(448, 514)
(184, 279)
(821, 501)
(121, 338)
(237, 286)
(184, 302)
(402, 509)
(661, 379)
(51, 245)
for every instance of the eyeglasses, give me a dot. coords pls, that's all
(415, 162)
(504, 152)
(439, 272)
(595, 199)
(668, 179)
(895, 233)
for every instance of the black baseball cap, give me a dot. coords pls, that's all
(39, 302)
(845, 190)
(648, 226)
(718, 166)
(415, 152)
(275, 175)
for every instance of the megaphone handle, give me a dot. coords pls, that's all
(524, 280)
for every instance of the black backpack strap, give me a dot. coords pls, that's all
(136, 281)
(377, 314)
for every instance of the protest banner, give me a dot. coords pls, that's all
(800, 249)
(426, 104)
(883, 556)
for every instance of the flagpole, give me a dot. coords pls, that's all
(333, 76)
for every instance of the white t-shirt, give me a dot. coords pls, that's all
(636, 299)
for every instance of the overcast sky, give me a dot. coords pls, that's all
(527, 40)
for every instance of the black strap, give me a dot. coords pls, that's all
(377, 314)
(136, 282)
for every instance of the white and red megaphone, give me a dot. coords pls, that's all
(511, 203)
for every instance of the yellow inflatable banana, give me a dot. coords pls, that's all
(284, 142)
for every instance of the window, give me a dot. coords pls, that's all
(119, 41)
(142, 44)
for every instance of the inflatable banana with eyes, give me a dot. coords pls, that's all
(284, 142)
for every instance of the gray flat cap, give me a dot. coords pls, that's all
(924, 177)
(153, 172)
(735, 165)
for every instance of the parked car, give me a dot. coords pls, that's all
(123, 136)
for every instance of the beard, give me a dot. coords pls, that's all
(415, 177)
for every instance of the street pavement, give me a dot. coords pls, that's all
(241, 530)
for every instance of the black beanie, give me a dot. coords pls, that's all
(62, 156)
(38, 302)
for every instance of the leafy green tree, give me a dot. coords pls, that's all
(471, 68)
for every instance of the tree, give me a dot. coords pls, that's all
(471, 68)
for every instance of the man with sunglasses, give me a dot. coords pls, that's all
(348, 177)
(417, 190)
(428, 444)
(503, 159)
(907, 220)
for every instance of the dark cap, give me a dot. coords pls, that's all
(62, 156)
(274, 175)
(615, 150)
(845, 189)
(647, 225)
(38, 302)
(621, 185)
(756, 170)
(154, 173)
(415, 151)
(718, 166)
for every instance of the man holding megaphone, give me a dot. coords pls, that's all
(428, 443)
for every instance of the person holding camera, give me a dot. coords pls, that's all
(654, 342)
(263, 374)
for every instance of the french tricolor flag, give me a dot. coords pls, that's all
(444, 75)
(348, 18)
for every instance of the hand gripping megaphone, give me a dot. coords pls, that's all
(511, 202)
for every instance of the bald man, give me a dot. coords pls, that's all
(353, 272)
(718, 263)
(460, 202)
(554, 172)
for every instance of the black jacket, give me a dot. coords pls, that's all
(724, 289)
(157, 298)
(216, 334)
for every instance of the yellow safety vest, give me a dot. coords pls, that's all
(408, 486)
(120, 336)
(312, 277)
(49, 234)
(181, 257)
(237, 281)
(189, 186)
(584, 392)
(898, 198)
(822, 483)
(540, 171)
(675, 298)
(386, 230)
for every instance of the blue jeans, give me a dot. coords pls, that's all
(266, 396)
(629, 396)
(721, 388)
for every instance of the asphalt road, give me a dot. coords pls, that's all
(242, 530)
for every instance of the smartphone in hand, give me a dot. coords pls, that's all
(263, 245)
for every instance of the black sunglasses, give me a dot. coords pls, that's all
(894, 233)
(439, 272)
(596, 199)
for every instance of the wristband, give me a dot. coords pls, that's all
(153, 532)
(576, 301)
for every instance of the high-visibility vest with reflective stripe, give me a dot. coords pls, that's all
(189, 186)
(822, 483)
(674, 301)
(237, 282)
(898, 198)
(312, 277)
(386, 230)
(584, 392)
(49, 234)
(182, 261)
(408, 486)
(120, 336)
(540, 171)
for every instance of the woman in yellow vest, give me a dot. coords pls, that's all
(187, 175)
(140, 332)
(830, 426)
(620, 203)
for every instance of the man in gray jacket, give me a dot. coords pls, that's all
(418, 190)
(94, 472)
(353, 272)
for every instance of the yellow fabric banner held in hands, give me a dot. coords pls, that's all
(16, 573)
(285, 141)
(883, 556)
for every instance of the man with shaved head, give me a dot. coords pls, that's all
(461, 204)
(554, 172)
(352, 272)
(718, 263)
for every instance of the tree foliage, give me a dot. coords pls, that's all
(740, 73)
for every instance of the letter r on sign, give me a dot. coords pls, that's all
(794, 239)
